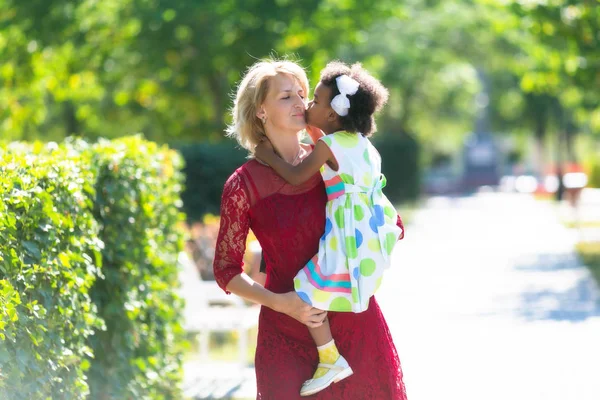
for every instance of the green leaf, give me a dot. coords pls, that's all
(33, 249)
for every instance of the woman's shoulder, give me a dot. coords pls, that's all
(249, 175)
(239, 176)
(246, 168)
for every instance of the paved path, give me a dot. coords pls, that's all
(487, 301)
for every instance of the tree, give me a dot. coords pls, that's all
(166, 68)
(560, 54)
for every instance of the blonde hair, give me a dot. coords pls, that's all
(246, 127)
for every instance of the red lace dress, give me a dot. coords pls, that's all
(288, 221)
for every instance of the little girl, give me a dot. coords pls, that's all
(360, 229)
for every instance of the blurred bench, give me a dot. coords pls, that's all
(209, 309)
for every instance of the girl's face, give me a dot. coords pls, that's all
(284, 106)
(319, 112)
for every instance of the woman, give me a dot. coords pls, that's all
(288, 221)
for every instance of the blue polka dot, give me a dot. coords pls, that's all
(304, 297)
(359, 238)
(377, 219)
(328, 227)
(379, 214)
(373, 224)
(356, 273)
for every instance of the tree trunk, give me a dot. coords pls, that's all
(560, 142)
(215, 82)
(407, 99)
(541, 127)
(570, 135)
(71, 123)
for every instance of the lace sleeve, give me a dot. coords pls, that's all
(401, 226)
(233, 230)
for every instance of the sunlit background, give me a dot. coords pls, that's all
(490, 143)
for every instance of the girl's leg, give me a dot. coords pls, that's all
(337, 368)
(328, 352)
(322, 334)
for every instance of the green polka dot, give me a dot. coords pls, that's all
(373, 245)
(340, 304)
(355, 295)
(327, 140)
(366, 157)
(368, 179)
(321, 296)
(351, 250)
(297, 284)
(359, 213)
(333, 243)
(348, 203)
(366, 200)
(378, 283)
(367, 267)
(390, 212)
(390, 242)
(347, 140)
(347, 178)
(339, 217)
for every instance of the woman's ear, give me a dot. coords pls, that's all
(262, 114)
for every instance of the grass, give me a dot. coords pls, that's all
(582, 224)
(542, 196)
(590, 255)
(222, 346)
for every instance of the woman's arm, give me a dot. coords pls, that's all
(261, 278)
(300, 173)
(288, 303)
(244, 286)
(229, 254)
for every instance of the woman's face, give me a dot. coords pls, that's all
(319, 109)
(284, 105)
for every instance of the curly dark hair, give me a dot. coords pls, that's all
(369, 99)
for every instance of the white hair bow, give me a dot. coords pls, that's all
(347, 87)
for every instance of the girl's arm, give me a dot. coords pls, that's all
(300, 173)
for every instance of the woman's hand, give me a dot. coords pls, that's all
(291, 304)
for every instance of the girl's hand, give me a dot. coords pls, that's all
(264, 150)
(291, 304)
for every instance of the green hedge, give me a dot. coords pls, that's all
(400, 155)
(594, 178)
(48, 245)
(207, 167)
(136, 204)
(88, 246)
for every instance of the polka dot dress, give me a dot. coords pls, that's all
(360, 230)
